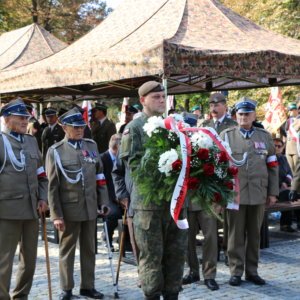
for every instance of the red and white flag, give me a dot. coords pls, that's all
(275, 111)
(87, 106)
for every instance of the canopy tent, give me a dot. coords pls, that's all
(197, 45)
(27, 45)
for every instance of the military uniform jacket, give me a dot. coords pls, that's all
(20, 191)
(49, 138)
(131, 151)
(78, 201)
(101, 133)
(227, 123)
(258, 178)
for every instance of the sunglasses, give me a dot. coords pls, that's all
(278, 146)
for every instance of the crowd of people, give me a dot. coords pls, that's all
(81, 173)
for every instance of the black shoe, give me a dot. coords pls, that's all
(235, 280)
(211, 284)
(189, 278)
(92, 293)
(287, 228)
(66, 295)
(255, 279)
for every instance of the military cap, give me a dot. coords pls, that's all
(216, 98)
(15, 108)
(292, 106)
(150, 87)
(132, 109)
(100, 106)
(50, 111)
(245, 105)
(196, 107)
(73, 117)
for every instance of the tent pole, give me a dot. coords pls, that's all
(165, 84)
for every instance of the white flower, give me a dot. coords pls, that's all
(166, 160)
(152, 124)
(201, 140)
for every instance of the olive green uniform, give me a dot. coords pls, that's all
(162, 245)
(291, 144)
(208, 224)
(102, 132)
(76, 204)
(258, 180)
(20, 193)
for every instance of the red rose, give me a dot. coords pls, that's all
(208, 169)
(203, 153)
(233, 171)
(176, 165)
(193, 183)
(229, 185)
(223, 157)
(217, 197)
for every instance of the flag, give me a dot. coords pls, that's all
(87, 106)
(275, 111)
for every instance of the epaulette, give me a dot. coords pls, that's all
(229, 129)
(58, 144)
(89, 140)
(261, 129)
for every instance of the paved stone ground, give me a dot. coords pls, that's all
(279, 265)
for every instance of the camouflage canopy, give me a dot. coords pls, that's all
(27, 45)
(197, 45)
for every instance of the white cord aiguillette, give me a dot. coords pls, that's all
(64, 171)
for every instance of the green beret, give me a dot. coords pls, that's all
(150, 87)
(100, 106)
(292, 106)
(196, 107)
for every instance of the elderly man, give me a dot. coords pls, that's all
(197, 217)
(23, 192)
(161, 244)
(77, 189)
(258, 179)
(53, 133)
(102, 128)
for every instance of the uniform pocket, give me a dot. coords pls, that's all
(10, 196)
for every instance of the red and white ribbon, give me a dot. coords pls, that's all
(100, 179)
(272, 161)
(40, 172)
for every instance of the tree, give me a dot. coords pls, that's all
(67, 19)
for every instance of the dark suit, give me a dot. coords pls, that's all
(115, 210)
(50, 137)
(101, 133)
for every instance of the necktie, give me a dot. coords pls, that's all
(217, 124)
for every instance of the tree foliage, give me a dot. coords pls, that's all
(66, 19)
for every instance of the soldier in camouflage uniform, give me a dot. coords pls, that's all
(162, 245)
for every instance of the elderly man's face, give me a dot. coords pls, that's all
(74, 132)
(17, 123)
(245, 120)
(154, 104)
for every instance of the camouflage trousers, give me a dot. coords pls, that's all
(162, 248)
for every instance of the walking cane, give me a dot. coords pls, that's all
(43, 218)
(121, 245)
(116, 295)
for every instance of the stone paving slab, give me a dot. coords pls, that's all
(279, 266)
